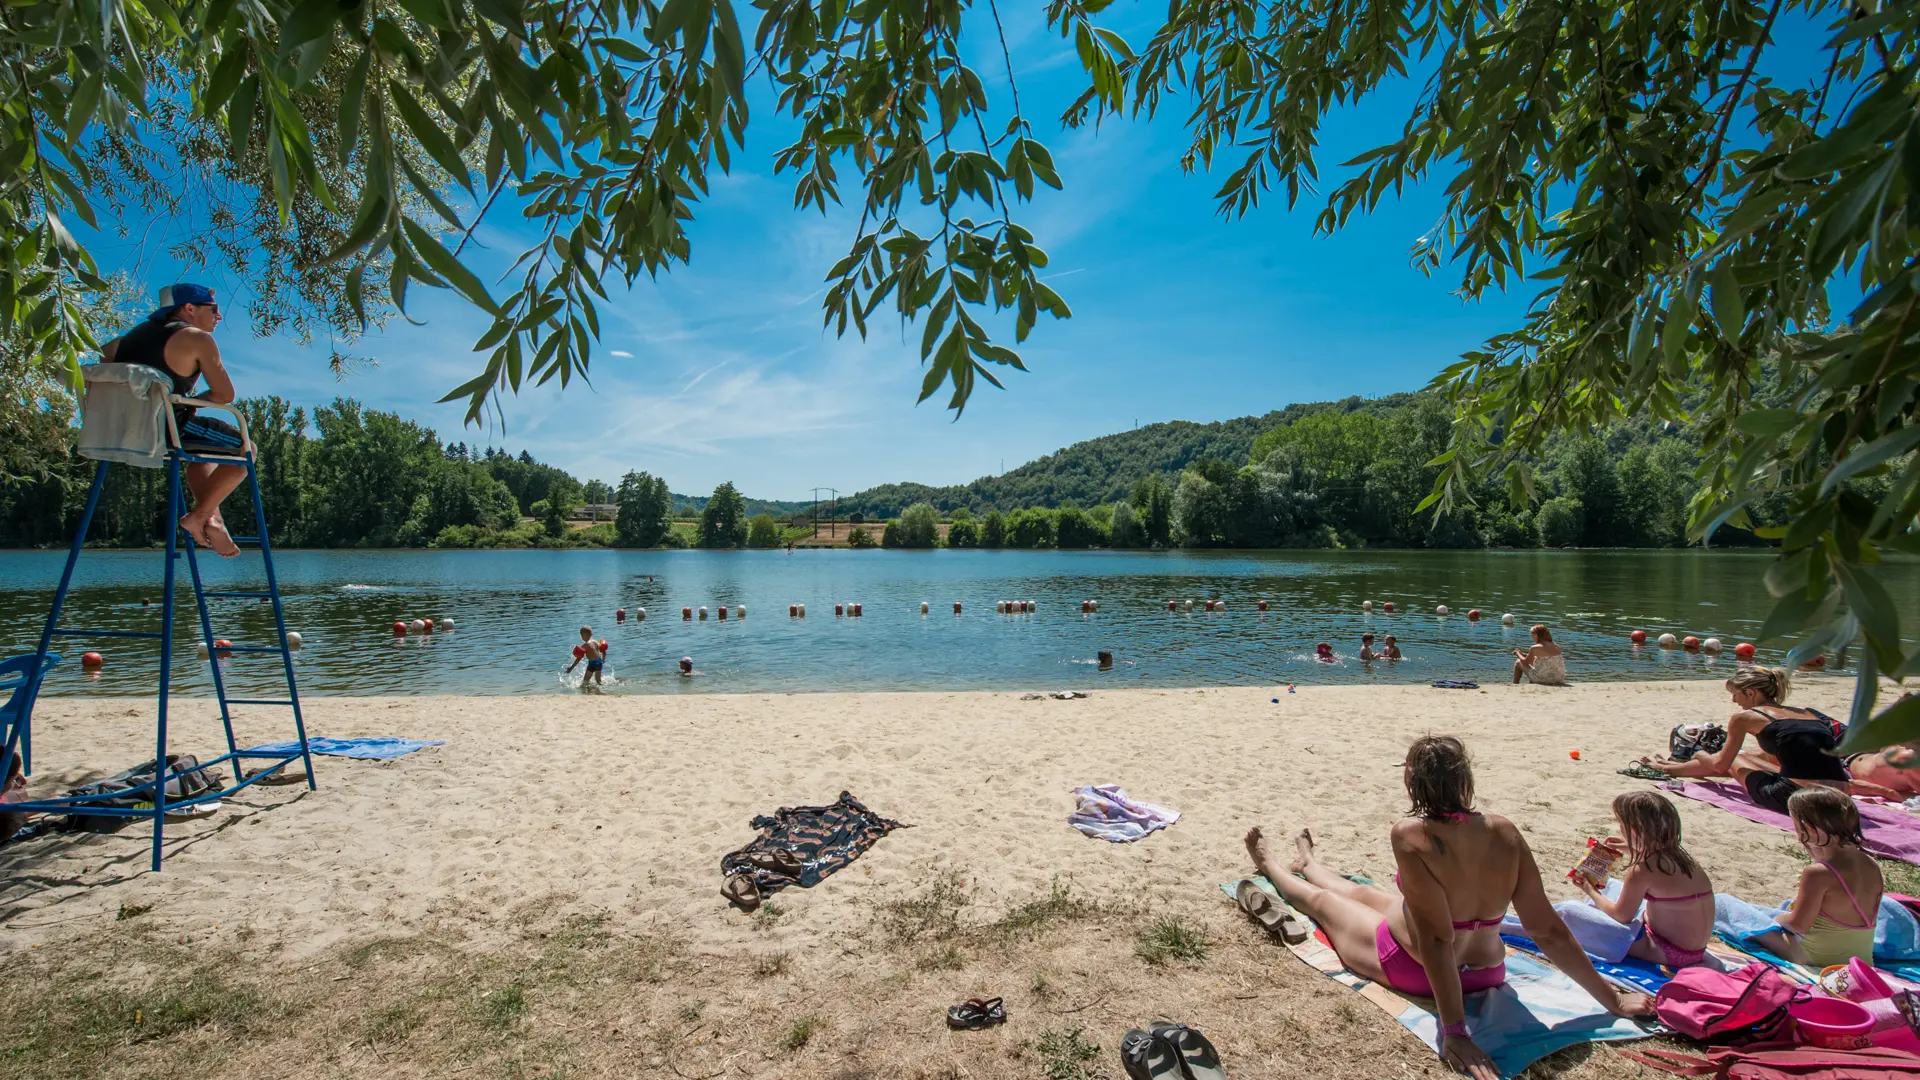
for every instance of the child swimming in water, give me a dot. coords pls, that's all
(1323, 652)
(1392, 651)
(1366, 648)
(590, 651)
(1678, 919)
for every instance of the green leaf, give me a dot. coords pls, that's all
(353, 104)
(435, 140)
(1729, 308)
(1768, 423)
(240, 117)
(1874, 453)
(225, 78)
(1898, 724)
(443, 263)
(310, 20)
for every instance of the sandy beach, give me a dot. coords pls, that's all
(540, 896)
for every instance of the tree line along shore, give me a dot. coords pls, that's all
(1329, 475)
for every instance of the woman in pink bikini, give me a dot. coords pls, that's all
(1459, 870)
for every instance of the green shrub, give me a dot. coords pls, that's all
(1560, 521)
(859, 537)
(993, 530)
(919, 526)
(763, 532)
(963, 533)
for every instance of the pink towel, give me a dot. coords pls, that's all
(1890, 832)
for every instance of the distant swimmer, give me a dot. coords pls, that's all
(686, 666)
(1323, 652)
(590, 651)
(1366, 648)
(1392, 651)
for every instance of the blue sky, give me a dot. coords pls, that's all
(1179, 314)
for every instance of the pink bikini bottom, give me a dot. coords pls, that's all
(1405, 974)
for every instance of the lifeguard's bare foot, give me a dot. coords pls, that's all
(195, 528)
(218, 539)
(1304, 842)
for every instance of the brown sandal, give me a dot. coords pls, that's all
(741, 892)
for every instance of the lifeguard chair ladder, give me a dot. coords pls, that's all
(19, 737)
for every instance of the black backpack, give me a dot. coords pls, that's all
(1688, 740)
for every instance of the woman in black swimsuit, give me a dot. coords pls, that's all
(1796, 745)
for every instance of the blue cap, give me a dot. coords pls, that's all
(173, 296)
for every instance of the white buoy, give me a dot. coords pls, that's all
(1711, 645)
(200, 650)
(418, 626)
(1668, 641)
(703, 611)
(803, 611)
(638, 613)
(294, 641)
(1441, 610)
(1189, 605)
(1366, 605)
(447, 624)
(1507, 619)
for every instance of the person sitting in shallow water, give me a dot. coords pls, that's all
(1366, 648)
(1543, 664)
(1459, 870)
(1392, 650)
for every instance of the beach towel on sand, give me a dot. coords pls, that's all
(1105, 811)
(819, 839)
(1538, 1011)
(1896, 934)
(369, 748)
(1890, 832)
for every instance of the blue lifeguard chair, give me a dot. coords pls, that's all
(138, 404)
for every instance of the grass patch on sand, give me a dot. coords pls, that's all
(501, 1009)
(1067, 1055)
(932, 915)
(1901, 877)
(1060, 905)
(800, 1032)
(1170, 938)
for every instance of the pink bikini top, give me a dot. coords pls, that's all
(1457, 816)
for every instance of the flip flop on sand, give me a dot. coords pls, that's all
(976, 1013)
(741, 892)
(1278, 920)
(1198, 1059)
(1641, 771)
(1146, 1057)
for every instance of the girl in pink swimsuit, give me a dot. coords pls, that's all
(1459, 870)
(1678, 920)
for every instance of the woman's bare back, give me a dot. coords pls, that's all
(1475, 864)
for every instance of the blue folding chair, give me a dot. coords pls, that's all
(21, 675)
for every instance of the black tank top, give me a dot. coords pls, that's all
(146, 344)
(1803, 746)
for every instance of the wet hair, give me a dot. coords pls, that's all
(1541, 633)
(1391, 638)
(1652, 828)
(1366, 637)
(1822, 815)
(1771, 682)
(1439, 777)
(586, 631)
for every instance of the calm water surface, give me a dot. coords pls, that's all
(518, 614)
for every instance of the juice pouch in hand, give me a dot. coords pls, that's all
(1597, 865)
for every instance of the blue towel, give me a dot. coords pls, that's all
(372, 747)
(1535, 1012)
(1641, 975)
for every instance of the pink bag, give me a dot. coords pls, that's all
(1738, 1008)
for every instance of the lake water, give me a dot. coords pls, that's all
(518, 613)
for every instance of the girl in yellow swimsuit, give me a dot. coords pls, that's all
(1832, 917)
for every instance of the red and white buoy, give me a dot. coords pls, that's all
(426, 625)
(92, 661)
(1638, 637)
(1473, 615)
(956, 607)
(1690, 643)
(686, 613)
(399, 628)
(620, 615)
(1388, 605)
(1744, 650)
(723, 613)
(1263, 605)
(793, 611)
(839, 610)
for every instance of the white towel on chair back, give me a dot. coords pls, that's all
(123, 414)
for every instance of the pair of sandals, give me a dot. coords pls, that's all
(1277, 919)
(976, 1013)
(743, 892)
(1167, 1051)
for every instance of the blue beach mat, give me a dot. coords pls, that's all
(1538, 1011)
(377, 748)
(1633, 973)
(1896, 935)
